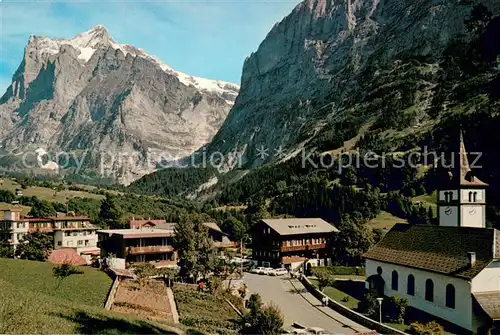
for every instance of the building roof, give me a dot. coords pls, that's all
(66, 255)
(36, 220)
(143, 222)
(489, 302)
(157, 224)
(300, 226)
(437, 248)
(137, 233)
(213, 226)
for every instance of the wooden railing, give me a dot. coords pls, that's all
(302, 247)
(41, 229)
(153, 249)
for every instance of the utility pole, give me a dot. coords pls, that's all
(241, 256)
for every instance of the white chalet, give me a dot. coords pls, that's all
(450, 271)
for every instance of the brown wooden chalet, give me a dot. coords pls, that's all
(285, 242)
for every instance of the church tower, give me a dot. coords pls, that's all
(462, 200)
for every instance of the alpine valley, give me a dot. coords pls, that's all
(334, 76)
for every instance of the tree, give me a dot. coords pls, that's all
(35, 246)
(323, 280)
(60, 272)
(254, 305)
(110, 212)
(168, 274)
(143, 272)
(41, 209)
(368, 305)
(7, 196)
(353, 240)
(196, 250)
(270, 320)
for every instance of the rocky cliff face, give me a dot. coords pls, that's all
(333, 59)
(111, 108)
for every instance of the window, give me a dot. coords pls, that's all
(59, 243)
(394, 282)
(450, 296)
(429, 290)
(80, 242)
(474, 195)
(410, 290)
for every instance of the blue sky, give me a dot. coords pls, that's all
(203, 38)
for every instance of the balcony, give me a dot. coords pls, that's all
(303, 247)
(153, 249)
(41, 229)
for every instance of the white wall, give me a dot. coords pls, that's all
(72, 241)
(488, 279)
(473, 216)
(460, 315)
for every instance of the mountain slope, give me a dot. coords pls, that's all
(332, 66)
(111, 106)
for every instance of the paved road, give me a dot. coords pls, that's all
(303, 309)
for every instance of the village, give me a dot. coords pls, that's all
(443, 276)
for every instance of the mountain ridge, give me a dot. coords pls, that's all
(126, 109)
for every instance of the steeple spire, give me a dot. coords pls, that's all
(466, 175)
(463, 160)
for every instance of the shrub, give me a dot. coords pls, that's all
(270, 320)
(368, 305)
(395, 309)
(338, 270)
(431, 328)
(254, 305)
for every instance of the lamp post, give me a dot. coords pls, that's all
(380, 308)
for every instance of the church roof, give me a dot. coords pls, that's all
(489, 302)
(437, 248)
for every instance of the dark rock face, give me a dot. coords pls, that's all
(316, 66)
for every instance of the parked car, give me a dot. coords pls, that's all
(264, 271)
(257, 269)
(278, 272)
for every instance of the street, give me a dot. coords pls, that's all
(296, 308)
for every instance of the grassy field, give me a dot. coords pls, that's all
(31, 304)
(427, 200)
(384, 220)
(204, 311)
(47, 193)
(338, 296)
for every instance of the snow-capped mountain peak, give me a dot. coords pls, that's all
(88, 42)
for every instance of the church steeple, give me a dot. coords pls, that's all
(462, 198)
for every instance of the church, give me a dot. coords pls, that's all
(450, 271)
